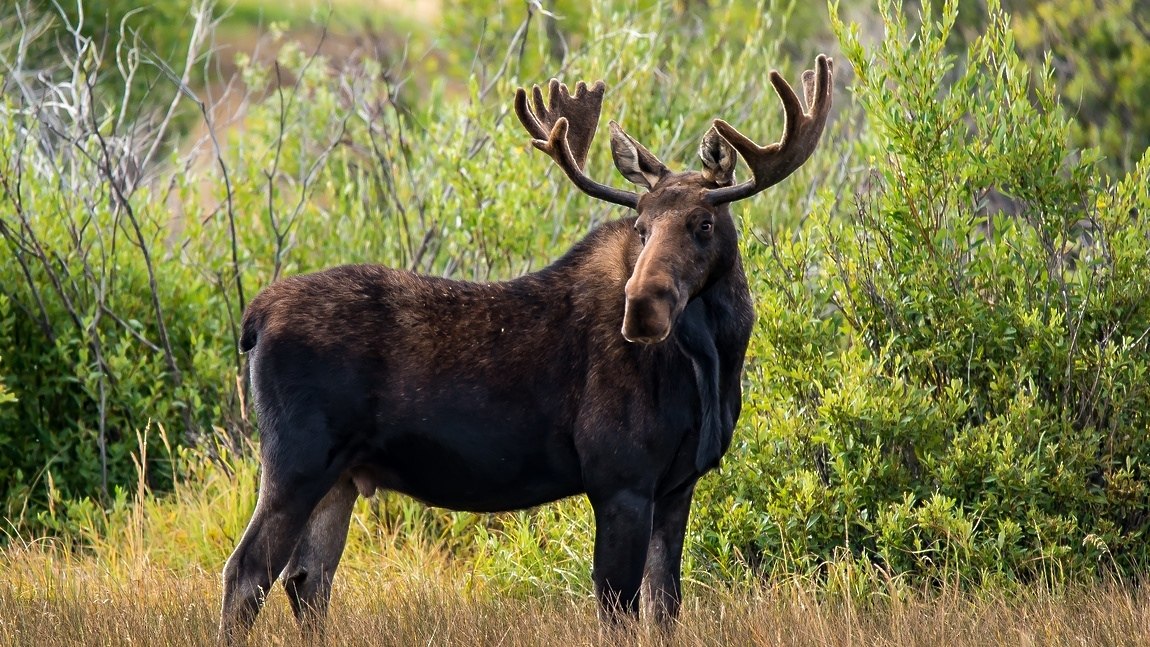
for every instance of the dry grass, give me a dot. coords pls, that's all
(47, 598)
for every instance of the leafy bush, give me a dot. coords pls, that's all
(103, 328)
(162, 28)
(940, 388)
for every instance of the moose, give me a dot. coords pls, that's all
(614, 372)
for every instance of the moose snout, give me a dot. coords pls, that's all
(648, 312)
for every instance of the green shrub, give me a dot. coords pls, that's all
(940, 389)
(163, 28)
(103, 328)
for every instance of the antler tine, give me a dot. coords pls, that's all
(772, 163)
(526, 117)
(564, 128)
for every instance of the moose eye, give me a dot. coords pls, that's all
(705, 226)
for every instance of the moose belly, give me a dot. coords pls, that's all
(468, 466)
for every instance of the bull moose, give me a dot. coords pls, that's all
(614, 372)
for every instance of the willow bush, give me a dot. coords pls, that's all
(949, 377)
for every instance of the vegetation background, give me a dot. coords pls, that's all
(946, 398)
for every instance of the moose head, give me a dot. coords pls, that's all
(684, 222)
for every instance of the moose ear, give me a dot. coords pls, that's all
(719, 158)
(635, 162)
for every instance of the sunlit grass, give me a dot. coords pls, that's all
(49, 596)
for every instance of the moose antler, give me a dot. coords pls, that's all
(564, 127)
(801, 131)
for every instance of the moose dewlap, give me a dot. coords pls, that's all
(614, 372)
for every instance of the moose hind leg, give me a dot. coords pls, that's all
(281, 515)
(308, 576)
(622, 532)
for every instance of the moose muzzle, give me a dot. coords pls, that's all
(650, 309)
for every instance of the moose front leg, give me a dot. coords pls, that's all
(622, 533)
(662, 580)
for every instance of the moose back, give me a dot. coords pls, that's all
(614, 372)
